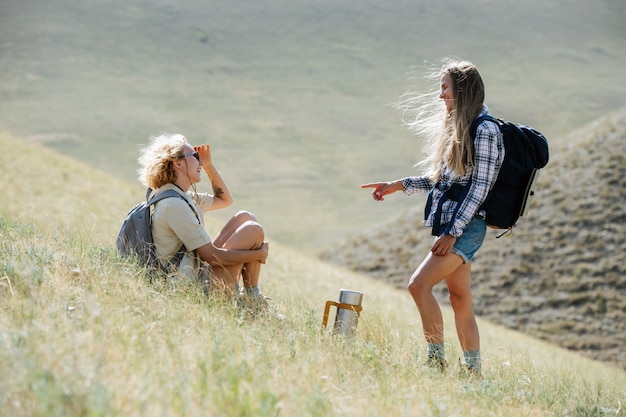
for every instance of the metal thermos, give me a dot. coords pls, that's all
(348, 310)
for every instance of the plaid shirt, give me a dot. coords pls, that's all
(488, 156)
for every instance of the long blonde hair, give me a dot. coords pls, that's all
(157, 157)
(448, 139)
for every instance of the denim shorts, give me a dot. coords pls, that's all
(471, 240)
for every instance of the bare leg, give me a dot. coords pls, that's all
(244, 233)
(433, 270)
(461, 299)
(231, 227)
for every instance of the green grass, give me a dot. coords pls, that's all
(84, 333)
(293, 96)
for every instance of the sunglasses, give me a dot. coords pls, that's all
(194, 154)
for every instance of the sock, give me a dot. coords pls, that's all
(436, 351)
(253, 291)
(472, 360)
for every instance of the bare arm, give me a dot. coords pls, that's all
(381, 189)
(222, 196)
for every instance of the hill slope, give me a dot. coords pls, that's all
(562, 275)
(84, 333)
(293, 96)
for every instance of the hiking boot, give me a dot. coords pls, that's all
(257, 303)
(439, 364)
(257, 306)
(472, 373)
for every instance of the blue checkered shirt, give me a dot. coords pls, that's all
(488, 156)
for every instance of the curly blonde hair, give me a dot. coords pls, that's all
(447, 135)
(156, 159)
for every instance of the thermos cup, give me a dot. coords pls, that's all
(348, 310)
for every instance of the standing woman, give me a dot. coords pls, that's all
(454, 159)
(169, 162)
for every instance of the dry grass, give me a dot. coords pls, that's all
(562, 276)
(84, 333)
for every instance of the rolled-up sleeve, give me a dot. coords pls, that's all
(185, 224)
(174, 223)
(415, 185)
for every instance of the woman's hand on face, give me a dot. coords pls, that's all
(204, 151)
(381, 189)
(443, 244)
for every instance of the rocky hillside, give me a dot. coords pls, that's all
(562, 275)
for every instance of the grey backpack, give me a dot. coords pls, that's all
(134, 239)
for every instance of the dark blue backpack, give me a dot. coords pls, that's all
(526, 152)
(134, 239)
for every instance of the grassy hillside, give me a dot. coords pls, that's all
(293, 95)
(561, 277)
(83, 333)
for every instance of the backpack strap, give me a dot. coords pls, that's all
(478, 121)
(456, 192)
(160, 196)
(473, 131)
(176, 259)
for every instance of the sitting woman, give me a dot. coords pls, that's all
(169, 162)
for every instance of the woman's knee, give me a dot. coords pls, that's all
(418, 288)
(460, 301)
(244, 216)
(253, 229)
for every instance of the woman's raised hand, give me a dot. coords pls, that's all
(204, 151)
